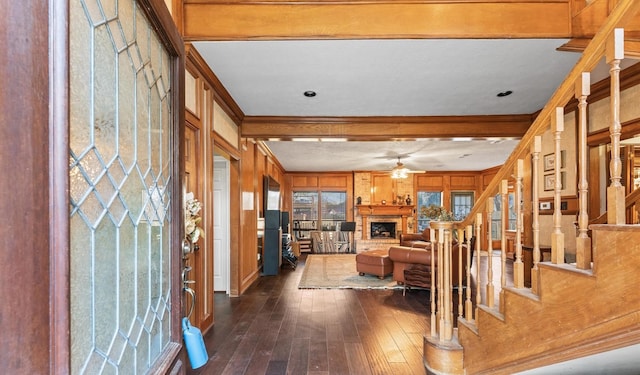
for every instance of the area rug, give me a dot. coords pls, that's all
(336, 271)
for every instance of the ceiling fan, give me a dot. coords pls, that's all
(400, 171)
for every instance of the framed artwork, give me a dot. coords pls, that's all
(549, 160)
(550, 181)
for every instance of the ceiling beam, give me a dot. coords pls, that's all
(371, 19)
(385, 128)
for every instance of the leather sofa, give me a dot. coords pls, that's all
(408, 258)
(414, 239)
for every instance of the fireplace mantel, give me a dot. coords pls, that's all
(385, 210)
(403, 211)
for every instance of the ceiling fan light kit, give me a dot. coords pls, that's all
(399, 171)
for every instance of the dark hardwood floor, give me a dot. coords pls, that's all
(276, 328)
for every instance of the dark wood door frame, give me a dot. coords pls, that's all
(34, 224)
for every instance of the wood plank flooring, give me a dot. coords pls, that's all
(276, 328)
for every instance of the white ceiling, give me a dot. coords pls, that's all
(389, 78)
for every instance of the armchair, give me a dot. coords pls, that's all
(410, 239)
(407, 258)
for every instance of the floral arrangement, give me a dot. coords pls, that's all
(192, 218)
(437, 213)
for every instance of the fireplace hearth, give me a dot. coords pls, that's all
(383, 230)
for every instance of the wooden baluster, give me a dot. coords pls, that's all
(432, 292)
(468, 306)
(615, 191)
(557, 237)
(478, 239)
(460, 270)
(447, 329)
(518, 266)
(504, 196)
(490, 288)
(440, 274)
(583, 242)
(535, 177)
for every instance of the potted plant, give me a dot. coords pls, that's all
(437, 213)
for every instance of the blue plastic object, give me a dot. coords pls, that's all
(194, 342)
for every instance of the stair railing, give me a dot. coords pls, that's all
(607, 42)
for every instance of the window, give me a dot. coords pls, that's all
(313, 210)
(461, 204)
(333, 209)
(425, 199)
(496, 216)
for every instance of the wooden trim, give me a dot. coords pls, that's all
(220, 93)
(159, 16)
(59, 232)
(385, 128)
(340, 19)
(602, 137)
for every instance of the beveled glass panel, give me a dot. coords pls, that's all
(125, 17)
(92, 7)
(127, 109)
(156, 131)
(80, 131)
(81, 268)
(104, 89)
(105, 284)
(117, 36)
(109, 8)
(142, 138)
(120, 263)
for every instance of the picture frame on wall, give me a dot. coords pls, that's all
(549, 161)
(550, 181)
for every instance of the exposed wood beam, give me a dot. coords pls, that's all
(315, 19)
(378, 128)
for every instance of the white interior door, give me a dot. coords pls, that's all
(221, 251)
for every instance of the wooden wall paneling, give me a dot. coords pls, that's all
(194, 180)
(339, 181)
(464, 182)
(314, 19)
(204, 257)
(428, 182)
(382, 187)
(249, 219)
(302, 181)
(236, 243)
(594, 177)
(446, 192)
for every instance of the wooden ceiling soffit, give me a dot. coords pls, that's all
(314, 19)
(587, 21)
(385, 128)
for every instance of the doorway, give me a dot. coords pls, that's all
(221, 248)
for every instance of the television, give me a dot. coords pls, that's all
(271, 194)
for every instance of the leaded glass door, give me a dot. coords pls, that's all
(124, 186)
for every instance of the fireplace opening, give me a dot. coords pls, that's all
(383, 230)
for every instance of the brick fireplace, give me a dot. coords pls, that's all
(381, 225)
(382, 229)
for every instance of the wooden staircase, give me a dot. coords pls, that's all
(576, 313)
(571, 310)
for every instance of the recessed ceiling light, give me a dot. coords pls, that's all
(310, 93)
(504, 93)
